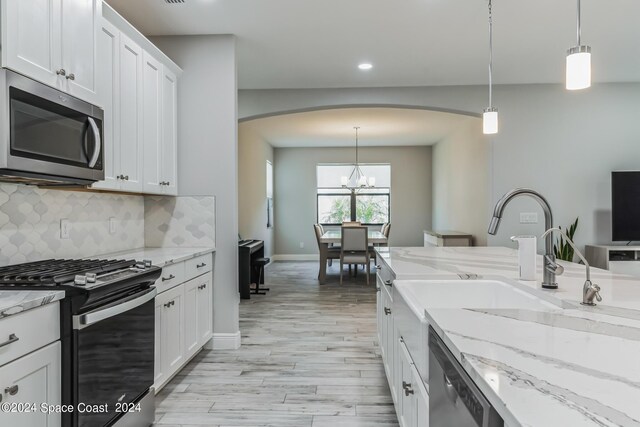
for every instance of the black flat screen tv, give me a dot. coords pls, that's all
(625, 206)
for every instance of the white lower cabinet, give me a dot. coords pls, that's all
(413, 400)
(33, 379)
(386, 334)
(184, 318)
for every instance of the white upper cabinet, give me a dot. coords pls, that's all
(80, 30)
(152, 113)
(130, 115)
(169, 168)
(139, 94)
(108, 78)
(54, 42)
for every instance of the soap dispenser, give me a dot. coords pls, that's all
(527, 256)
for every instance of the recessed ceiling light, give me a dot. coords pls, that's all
(365, 66)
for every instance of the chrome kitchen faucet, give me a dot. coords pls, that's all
(550, 268)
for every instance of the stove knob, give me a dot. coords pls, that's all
(147, 263)
(91, 277)
(80, 280)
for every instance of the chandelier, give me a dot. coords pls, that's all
(357, 179)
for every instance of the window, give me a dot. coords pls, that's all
(337, 204)
(269, 194)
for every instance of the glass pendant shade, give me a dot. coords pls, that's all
(490, 121)
(578, 68)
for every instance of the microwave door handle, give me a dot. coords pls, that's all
(98, 142)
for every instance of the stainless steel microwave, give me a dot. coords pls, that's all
(46, 136)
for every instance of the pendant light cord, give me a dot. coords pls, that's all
(356, 128)
(578, 31)
(491, 55)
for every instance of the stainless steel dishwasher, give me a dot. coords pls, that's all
(454, 400)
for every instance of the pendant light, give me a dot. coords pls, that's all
(490, 114)
(578, 62)
(357, 179)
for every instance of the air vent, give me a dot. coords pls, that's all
(174, 1)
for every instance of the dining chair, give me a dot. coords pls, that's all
(354, 248)
(351, 224)
(332, 253)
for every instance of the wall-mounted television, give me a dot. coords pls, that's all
(625, 206)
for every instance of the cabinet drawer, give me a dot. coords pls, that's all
(198, 265)
(430, 241)
(171, 276)
(29, 331)
(384, 274)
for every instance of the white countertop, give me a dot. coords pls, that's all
(160, 256)
(14, 302)
(578, 366)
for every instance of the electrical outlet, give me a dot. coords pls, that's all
(112, 225)
(301, 245)
(528, 217)
(65, 228)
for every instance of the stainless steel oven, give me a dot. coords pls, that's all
(454, 399)
(46, 136)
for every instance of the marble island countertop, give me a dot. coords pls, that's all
(560, 365)
(548, 368)
(14, 302)
(620, 293)
(160, 256)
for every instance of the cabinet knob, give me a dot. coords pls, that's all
(71, 76)
(126, 177)
(12, 391)
(61, 72)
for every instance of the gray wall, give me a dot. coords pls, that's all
(561, 143)
(295, 193)
(253, 153)
(208, 151)
(461, 181)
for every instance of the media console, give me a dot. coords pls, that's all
(616, 258)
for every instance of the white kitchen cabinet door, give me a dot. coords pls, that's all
(130, 115)
(80, 30)
(191, 295)
(169, 132)
(32, 44)
(405, 405)
(159, 375)
(205, 309)
(421, 399)
(108, 77)
(172, 326)
(152, 128)
(34, 378)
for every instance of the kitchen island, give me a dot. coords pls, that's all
(556, 363)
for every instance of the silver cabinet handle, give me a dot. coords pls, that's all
(201, 287)
(12, 391)
(71, 76)
(171, 276)
(378, 267)
(168, 304)
(204, 264)
(388, 282)
(126, 177)
(407, 388)
(98, 142)
(387, 311)
(12, 338)
(61, 72)
(82, 321)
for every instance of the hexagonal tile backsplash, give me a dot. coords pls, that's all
(30, 223)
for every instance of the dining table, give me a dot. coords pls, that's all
(335, 237)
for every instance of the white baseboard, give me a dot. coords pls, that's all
(296, 257)
(224, 341)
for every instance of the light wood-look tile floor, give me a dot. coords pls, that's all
(309, 358)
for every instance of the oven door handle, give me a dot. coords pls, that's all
(82, 321)
(98, 142)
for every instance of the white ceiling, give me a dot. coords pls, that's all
(319, 43)
(378, 127)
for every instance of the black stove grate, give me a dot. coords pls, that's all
(53, 272)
